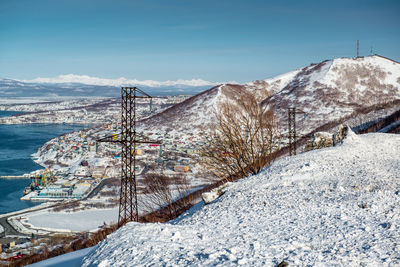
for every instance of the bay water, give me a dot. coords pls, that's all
(17, 143)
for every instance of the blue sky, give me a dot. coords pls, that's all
(215, 40)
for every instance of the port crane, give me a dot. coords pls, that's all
(42, 179)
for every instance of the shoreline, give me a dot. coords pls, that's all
(14, 177)
(26, 177)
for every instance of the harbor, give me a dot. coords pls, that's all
(19, 142)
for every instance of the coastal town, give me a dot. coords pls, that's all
(78, 162)
(82, 110)
(83, 173)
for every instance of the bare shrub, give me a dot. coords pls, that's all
(158, 192)
(68, 205)
(245, 139)
(109, 193)
(183, 187)
(113, 182)
(49, 162)
(61, 244)
(100, 205)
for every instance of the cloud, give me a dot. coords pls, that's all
(84, 79)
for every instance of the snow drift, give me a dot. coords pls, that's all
(334, 206)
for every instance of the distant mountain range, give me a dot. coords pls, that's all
(327, 92)
(76, 85)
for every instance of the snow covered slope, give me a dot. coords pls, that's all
(72, 259)
(336, 88)
(197, 112)
(335, 206)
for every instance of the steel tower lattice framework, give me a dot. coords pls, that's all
(128, 203)
(292, 131)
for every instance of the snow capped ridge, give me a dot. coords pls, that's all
(334, 206)
(85, 79)
(283, 79)
(327, 91)
(195, 111)
(334, 89)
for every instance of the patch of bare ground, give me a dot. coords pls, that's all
(371, 78)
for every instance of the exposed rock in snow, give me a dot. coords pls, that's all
(333, 206)
(215, 193)
(320, 140)
(324, 139)
(344, 132)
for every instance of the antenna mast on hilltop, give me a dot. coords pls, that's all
(357, 48)
(128, 204)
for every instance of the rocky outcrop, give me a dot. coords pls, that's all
(209, 197)
(324, 139)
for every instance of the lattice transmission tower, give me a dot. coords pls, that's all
(128, 202)
(292, 130)
(292, 136)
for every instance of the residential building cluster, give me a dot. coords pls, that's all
(78, 162)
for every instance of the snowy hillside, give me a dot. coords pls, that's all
(336, 88)
(327, 91)
(335, 206)
(197, 112)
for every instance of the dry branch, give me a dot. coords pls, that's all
(245, 139)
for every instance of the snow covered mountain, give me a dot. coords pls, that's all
(82, 87)
(334, 89)
(14, 88)
(195, 113)
(328, 207)
(327, 92)
(85, 79)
